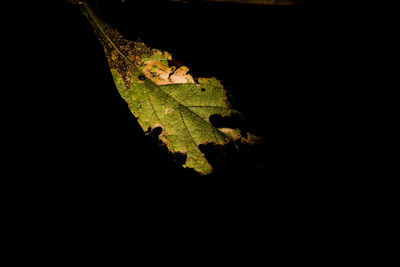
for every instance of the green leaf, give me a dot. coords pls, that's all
(165, 96)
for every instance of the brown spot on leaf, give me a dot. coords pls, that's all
(169, 110)
(162, 74)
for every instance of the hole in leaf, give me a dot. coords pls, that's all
(174, 62)
(156, 132)
(235, 121)
(179, 158)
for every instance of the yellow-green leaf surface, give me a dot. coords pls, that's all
(160, 95)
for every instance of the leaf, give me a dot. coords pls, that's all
(160, 95)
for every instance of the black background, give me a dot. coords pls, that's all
(79, 157)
